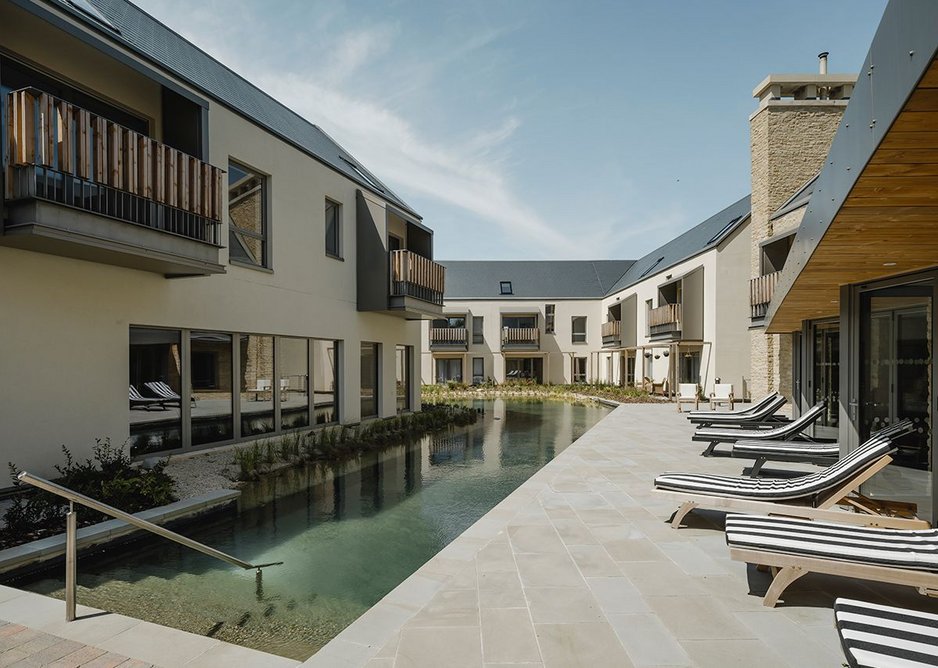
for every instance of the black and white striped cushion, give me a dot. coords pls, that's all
(881, 636)
(754, 411)
(778, 489)
(786, 448)
(782, 431)
(915, 549)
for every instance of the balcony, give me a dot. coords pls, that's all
(521, 338)
(81, 186)
(611, 332)
(448, 338)
(664, 322)
(417, 284)
(761, 290)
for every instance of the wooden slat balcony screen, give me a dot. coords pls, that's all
(664, 319)
(761, 290)
(611, 329)
(448, 336)
(63, 153)
(415, 276)
(528, 336)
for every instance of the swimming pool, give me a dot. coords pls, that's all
(347, 534)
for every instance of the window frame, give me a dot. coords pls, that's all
(550, 318)
(337, 255)
(265, 236)
(503, 290)
(574, 333)
(478, 333)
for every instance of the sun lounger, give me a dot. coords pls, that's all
(795, 547)
(137, 400)
(802, 452)
(786, 431)
(811, 496)
(881, 635)
(165, 392)
(763, 411)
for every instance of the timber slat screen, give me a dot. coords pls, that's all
(528, 336)
(415, 276)
(66, 154)
(448, 336)
(761, 290)
(611, 328)
(664, 319)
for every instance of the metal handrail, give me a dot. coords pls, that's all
(71, 530)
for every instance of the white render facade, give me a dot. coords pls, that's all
(264, 305)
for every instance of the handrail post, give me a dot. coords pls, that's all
(71, 562)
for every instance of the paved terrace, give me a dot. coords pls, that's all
(579, 568)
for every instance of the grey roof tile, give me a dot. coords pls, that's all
(532, 279)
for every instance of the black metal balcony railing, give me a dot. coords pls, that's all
(761, 289)
(448, 336)
(415, 276)
(664, 320)
(65, 154)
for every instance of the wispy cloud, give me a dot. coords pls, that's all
(469, 174)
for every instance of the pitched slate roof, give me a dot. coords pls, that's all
(694, 241)
(532, 279)
(165, 48)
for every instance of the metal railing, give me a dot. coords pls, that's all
(71, 535)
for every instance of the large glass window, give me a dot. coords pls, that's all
(247, 213)
(155, 389)
(826, 376)
(449, 369)
(579, 369)
(293, 358)
(369, 378)
(333, 229)
(211, 383)
(519, 321)
(403, 357)
(325, 382)
(478, 370)
(578, 327)
(478, 329)
(256, 377)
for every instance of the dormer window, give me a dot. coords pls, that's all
(504, 288)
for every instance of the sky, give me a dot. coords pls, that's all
(534, 129)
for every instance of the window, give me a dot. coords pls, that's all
(403, 355)
(448, 370)
(478, 333)
(333, 229)
(478, 370)
(293, 362)
(652, 266)
(367, 178)
(504, 288)
(247, 214)
(579, 369)
(325, 382)
(211, 382)
(549, 312)
(578, 327)
(370, 353)
(256, 380)
(155, 357)
(519, 322)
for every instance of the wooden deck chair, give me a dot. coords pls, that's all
(803, 452)
(688, 393)
(713, 436)
(793, 547)
(763, 411)
(880, 635)
(722, 395)
(811, 496)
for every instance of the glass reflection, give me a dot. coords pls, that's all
(294, 382)
(155, 382)
(325, 382)
(211, 382)
(256, 382)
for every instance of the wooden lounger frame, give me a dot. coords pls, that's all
(786, 568)
(865, 515)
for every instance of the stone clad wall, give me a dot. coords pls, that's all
(789, 142)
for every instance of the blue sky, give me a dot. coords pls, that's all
(536, 129)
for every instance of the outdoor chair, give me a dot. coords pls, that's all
(137, 400)
(811, 496)
(793, 547)
(880, 635)
(713, 436)
(722, 395)
(263, 387)
(165, 392)
(763, 411)
(688, 393)
(803, 452)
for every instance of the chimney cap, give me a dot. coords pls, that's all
(823, 54)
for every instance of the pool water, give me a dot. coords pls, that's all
(347, 534)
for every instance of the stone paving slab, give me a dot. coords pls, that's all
(578, 567)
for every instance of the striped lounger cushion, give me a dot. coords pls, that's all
(786, 448)
(914, 549)
(880, 636)
(773, 489)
